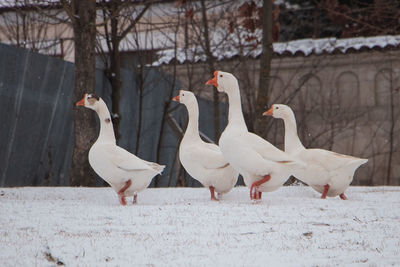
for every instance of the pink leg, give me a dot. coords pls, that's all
(212, 191)
(326, 189)
(342, 196)
(122, 200)
(255, 185)
(121, 192)
(253, 195)
(257, 194)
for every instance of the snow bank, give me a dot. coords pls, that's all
(182, 227)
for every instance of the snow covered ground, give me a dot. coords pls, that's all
(182, 227)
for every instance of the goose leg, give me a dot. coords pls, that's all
(255, 185)
(342, 196)
(257, 194)
(122, 200)
(212, 191)
(253, 195)
(326, 189)
(134, 198)
(121, 192)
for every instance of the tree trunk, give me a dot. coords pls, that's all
(140, 84)
(118, 31)
(392, 120)
(211, 69)
(83, 21)
(260, 123)
(115, 73)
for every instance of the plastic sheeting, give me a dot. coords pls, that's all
(36, 124)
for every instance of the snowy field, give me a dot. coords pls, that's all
(182, 227)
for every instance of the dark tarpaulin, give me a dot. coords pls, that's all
(36, 136)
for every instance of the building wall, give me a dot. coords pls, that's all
(50, 32)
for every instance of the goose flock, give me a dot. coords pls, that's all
(264, 167)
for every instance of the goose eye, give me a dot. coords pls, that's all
(183, 94)
(90, 96)
(220, 75)
(277, 108)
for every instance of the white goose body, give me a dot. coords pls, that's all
(116, 166)
(203, 161)
(253, 157)
(121, 169)
(243, 152)
(323, 167)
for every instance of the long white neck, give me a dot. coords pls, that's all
(106, 134)
(235, 107)
(292, 140)
(192, 130)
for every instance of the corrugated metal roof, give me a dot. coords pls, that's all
(303, 47)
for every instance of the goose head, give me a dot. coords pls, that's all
(223, 81)
(278, 111)
(185, 97)
(91, 101)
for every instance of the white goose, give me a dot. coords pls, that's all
(203, 161)
(328, 172)
(126, 173)
(264, 167)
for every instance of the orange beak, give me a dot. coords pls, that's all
(81, 102)
(177, 98)
(214, 81)
(269, 112)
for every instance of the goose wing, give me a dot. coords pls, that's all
(266, 149)
(126, 160)
(330, 160)
(207, 155)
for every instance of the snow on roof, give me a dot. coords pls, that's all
(303, 46)
(141, 41)
(259, 3)
(47, 47)
(17, 3)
